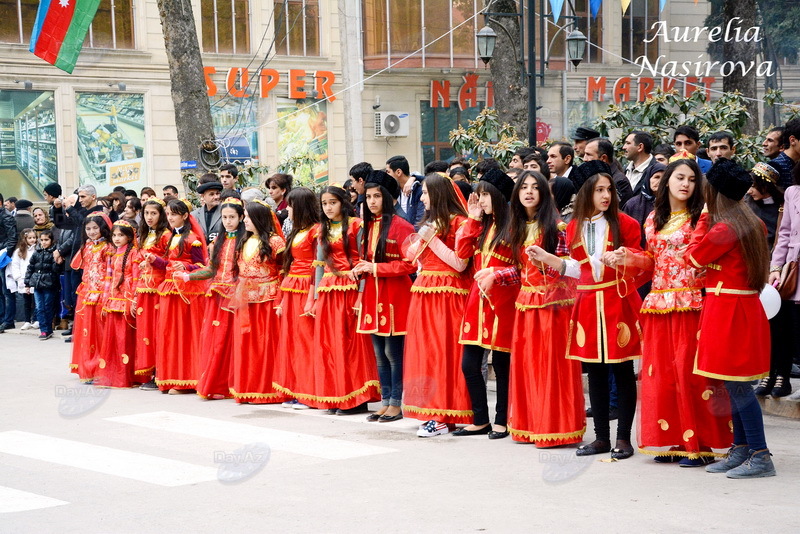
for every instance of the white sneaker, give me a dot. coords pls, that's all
(35, 324)
(289, 403)
(299, 406)
(794, 396)
(27, 326)
(432, 428)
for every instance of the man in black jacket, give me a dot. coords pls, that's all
(8, 240)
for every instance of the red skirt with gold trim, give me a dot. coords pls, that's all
(296, 345)
(433, 384)
(546, 404)
(117, 347)
(146, 333)
(87, 332)
(677, 407)
(255, 355)
(178, 342)
(217, 347)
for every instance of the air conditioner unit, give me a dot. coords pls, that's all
(391, 124)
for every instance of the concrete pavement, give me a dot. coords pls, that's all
(79, 459)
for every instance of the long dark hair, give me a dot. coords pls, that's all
(105, 230)
(498, 217)
(749, 231)
(261, 217)
(695, 203)
(180, 207)
(305, 213)
(220, 241)
(161, 225)
(443, 203)
(546, 216)
(387, 212)
(347, 212)
(584, 208)
(128, 231)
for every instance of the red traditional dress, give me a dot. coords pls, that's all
(217, 330)
(87, 330)
(433, 384)
(116, 368)
(733, 340)
(679, 409)
(488, 321)
(255, 324)
(147, 305)
(387, 290)
(546, 404)
(296, 339)
(180, 314)
(345, 371)
(605, 320)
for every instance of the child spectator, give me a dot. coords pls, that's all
(42, 276)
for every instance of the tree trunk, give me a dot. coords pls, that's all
(745, 52)
(510, 91)
(192, 109)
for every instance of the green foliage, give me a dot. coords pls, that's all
(486, 137)
(662, 113)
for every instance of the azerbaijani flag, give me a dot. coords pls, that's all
(59, 30)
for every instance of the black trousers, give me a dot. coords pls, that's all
(476, 385)
(599, 398)
(783, 329)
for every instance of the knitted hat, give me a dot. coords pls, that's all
(729, 178)
(53, 189)
(500, 180)
(583, 172)
(383, 179)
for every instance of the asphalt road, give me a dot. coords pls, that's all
(79, 459)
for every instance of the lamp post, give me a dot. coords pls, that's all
(486, 39)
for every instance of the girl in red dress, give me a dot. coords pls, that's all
(546, 404)
(154, 236)
(345, 375)
(488, 322)
(216, 332)
(180, 310)
(296, 341)
(678, 408)
(604, 330)
(116, 366)
(384, 309)
(93, 259)
(255, 323)
(731, 243)
(434, 387)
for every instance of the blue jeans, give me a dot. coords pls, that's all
(72, 279)
(389, 356)
(8, 310)
(748, 424)
(45, 309)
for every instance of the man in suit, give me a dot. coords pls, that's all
(637, 149)
(208, 215)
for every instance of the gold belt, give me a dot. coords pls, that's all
(719, 290)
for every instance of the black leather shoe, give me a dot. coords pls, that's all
(494, 434)
(66, 333)
(621, 454)
(480, 432)
(68, 339)
(595, 447)
(589, 411)
(362, 408)
(390, 418)
(373, 417)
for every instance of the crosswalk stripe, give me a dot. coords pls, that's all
(280, 440)
(126, 464)
(14, 500)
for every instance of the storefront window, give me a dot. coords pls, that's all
(28, 153)
(436, 125)
(235, 124)
(394, 29)
(636, 22)
(112, 26)
(303, 139)
(296, 27)
(111, 140)
(226, 28)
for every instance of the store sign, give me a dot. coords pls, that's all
(237, 83)
(629, 88)
(467, 93)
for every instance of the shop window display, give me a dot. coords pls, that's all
(435, 126)
(303, 137)
(235, 126)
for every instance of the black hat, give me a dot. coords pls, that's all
(584, 134)
(53, 189)
(583, 172)
(23, 204)
(382, 178)
(725, 176)
(500, 180)
(202, 188)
